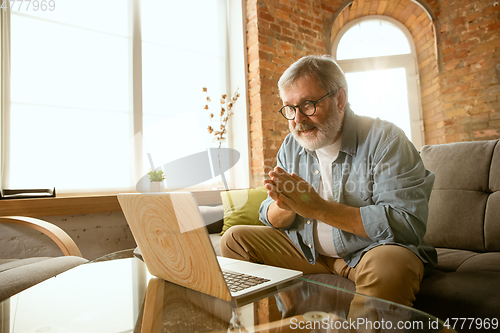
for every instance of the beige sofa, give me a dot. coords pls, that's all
(464, 226)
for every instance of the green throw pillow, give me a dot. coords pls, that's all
(242, 207)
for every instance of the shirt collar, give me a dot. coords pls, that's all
(349, 143)
(302, 151)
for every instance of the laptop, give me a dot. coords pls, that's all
(175, 246)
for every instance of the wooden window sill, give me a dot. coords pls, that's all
(87, 203)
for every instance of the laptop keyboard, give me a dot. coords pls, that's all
(239, 281)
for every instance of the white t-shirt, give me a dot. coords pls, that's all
(323, 233)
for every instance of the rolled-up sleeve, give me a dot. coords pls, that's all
(401, 191)
(286, 164)
(264, 207)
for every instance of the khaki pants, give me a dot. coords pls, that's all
(390, 272)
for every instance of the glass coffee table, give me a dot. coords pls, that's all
(116, 294)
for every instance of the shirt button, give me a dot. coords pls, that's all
(310, 246)
(308, 221)
(316, 171)
(310, 260)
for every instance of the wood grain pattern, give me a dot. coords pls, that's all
(40, 207)
(59, 236)
(172, 308)
(174, 243)
(153, 306)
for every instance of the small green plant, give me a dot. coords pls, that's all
(156, 176)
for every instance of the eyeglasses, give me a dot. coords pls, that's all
(307, 108)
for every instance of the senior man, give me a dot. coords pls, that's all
(349, 195)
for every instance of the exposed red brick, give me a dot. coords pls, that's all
(492, 10)
(470, 18)
(391, 7)
(458, 21)
(405, 14)
(399, 9)
(359, 10)
(373, 7)
(487, 134)
(494, 26)
(382, 7)
(265, 16)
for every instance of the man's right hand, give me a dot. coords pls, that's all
(279, 214)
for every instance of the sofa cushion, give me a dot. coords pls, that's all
(242, 207)
(492, 221)
(462, 198)
(495, 169)
(492, 218)
(451, 260)
(481, 262)
(451, 212)
(462, 294)
(461, 165)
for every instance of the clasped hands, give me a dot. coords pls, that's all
(293, 193)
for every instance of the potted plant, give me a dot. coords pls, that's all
(156, 178)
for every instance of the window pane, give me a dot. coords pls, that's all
(70, 113)
(381, 93)
(87, 14)
(181, 56)
(372, 38)
(45, 153)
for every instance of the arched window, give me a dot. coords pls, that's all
(378, 56)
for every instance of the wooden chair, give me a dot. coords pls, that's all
(17, 275)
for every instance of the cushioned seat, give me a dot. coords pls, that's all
(451, 260)
(460, 295)
(17, 275)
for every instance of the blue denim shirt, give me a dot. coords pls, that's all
(379, 170)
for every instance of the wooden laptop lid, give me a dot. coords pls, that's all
(169, 230)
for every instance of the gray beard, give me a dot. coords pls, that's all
(325, 135)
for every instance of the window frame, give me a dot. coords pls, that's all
(407, 61)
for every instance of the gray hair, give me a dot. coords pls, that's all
(323, 69)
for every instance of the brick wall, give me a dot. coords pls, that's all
(278, 33)
(470, 89)
(457, 57)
